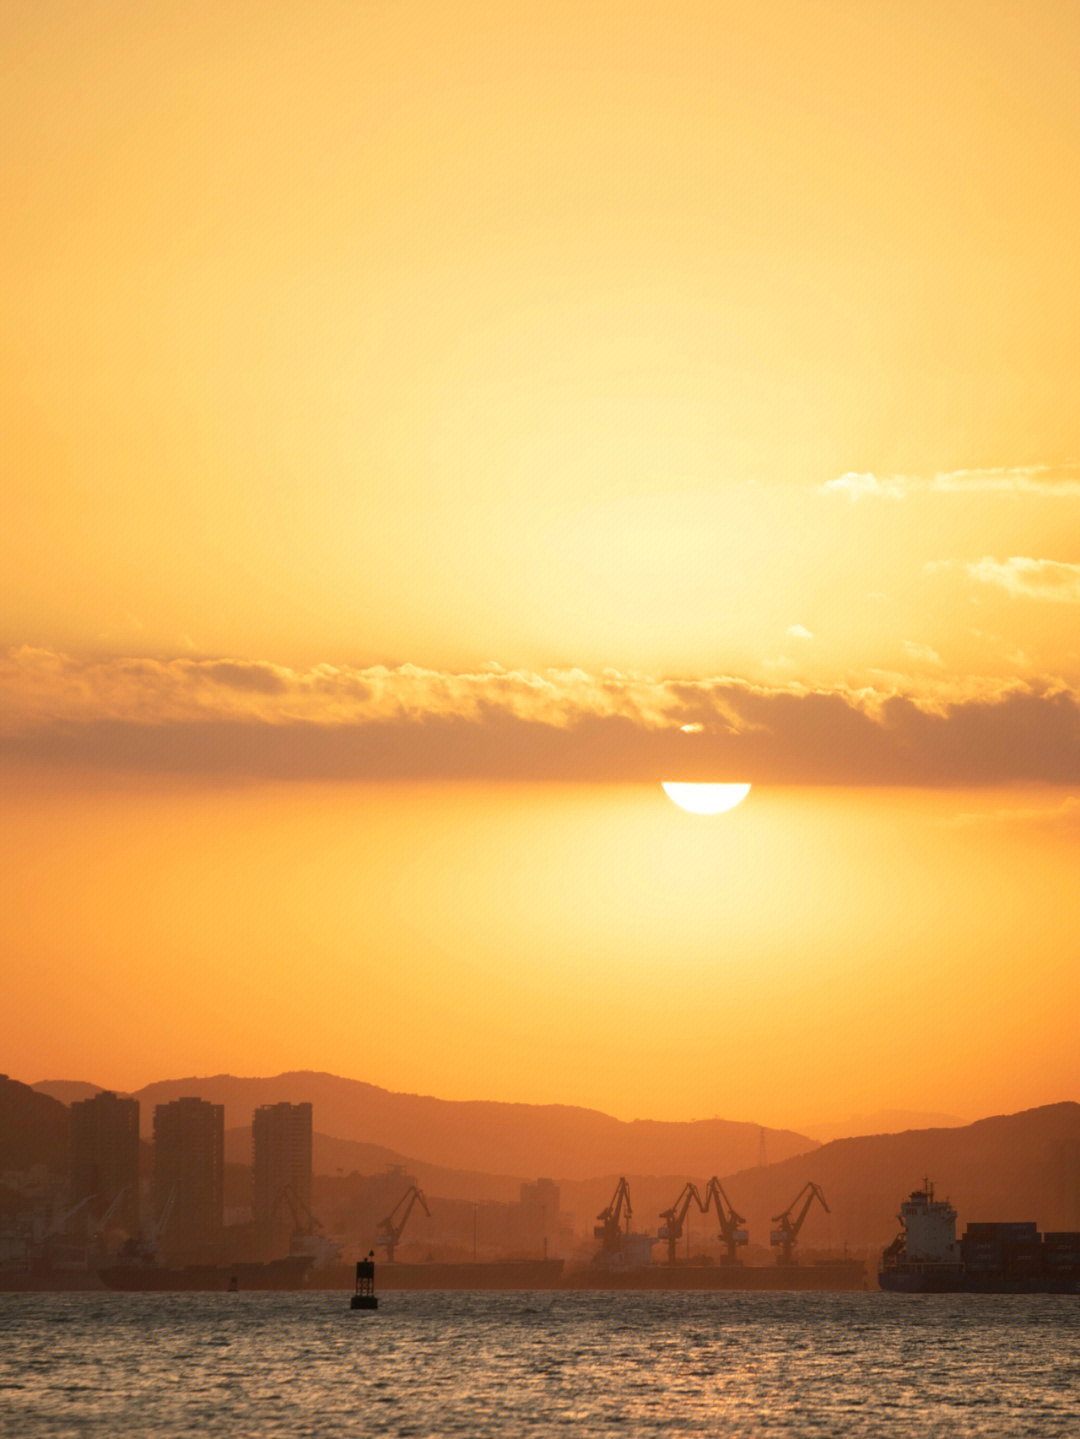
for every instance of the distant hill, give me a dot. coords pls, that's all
(332, 1156)
(1017, 1166)
(486, 1137)
(582, 1197)
(34, 1128)
(67, 1091)
(885, 1121)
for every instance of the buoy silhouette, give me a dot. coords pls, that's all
(364, 1298)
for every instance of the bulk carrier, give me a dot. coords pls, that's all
(1009, 1258)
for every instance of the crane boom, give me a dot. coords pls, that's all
(788, 1233)
(390, 1228)
(60, 1224)
(675, 1217)
(730, 1220)
(608, 1230)
(304, 1222)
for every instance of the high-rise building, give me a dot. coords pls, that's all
(189, 1175)
(540, 1210)
(105, 1160)
(281, 1153)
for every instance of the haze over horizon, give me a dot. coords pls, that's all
(67, 1090)
(428, 428)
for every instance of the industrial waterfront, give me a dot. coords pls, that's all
(116, 1225)
(164, 1212)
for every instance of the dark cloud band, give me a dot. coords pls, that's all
(234, 718)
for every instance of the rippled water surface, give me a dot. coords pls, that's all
(485, 1364)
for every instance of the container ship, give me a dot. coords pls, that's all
(1005, 1258)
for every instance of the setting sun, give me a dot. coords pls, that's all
(705, 798)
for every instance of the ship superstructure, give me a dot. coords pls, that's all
(925, 1254)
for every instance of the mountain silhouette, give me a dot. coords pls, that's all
(35, 1128)
(1016, 1166)
(559, 1141)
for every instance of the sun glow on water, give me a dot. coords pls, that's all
(705, 798)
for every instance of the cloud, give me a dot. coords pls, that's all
(798, 632)
(858, 487)
(1030, 579)
(1052, 481)
(921, 654)
(251, 718)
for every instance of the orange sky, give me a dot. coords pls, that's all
(425, 427)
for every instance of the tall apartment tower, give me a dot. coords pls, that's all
(540, 1209)
(281, 1151)
(189, 1177)
(105, 1160)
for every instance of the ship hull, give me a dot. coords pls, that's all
(844, 1274)
(927, 1282)
(290, 1273)
(494, 1274)
(34, 1280)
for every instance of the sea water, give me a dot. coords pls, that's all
(296, 1364)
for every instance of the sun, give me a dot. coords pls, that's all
(705, 798)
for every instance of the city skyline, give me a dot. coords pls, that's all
(429, 429)
(349, 1187)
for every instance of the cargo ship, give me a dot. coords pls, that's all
(997, 1258)
(141, 1277)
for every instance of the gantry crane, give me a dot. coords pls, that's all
(608, 1230)
(729, 1218)
(390, 1228)
(672, 1228)
(788, 1233)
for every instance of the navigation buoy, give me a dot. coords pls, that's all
(364, 1298)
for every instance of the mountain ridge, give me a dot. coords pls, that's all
(496, 1137)
(489, 1136)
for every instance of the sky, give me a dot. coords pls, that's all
(425, 428)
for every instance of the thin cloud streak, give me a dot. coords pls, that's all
(1064, 815)
(235, 718)
(1050, 481)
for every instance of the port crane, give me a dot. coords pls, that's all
(60, 1223)
(391, 1227)
(309, 1235)
(608, 1230)
(788, 1233)
(99, 1229)
(729, 1218)
(304, 1222)
(675, 1217)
